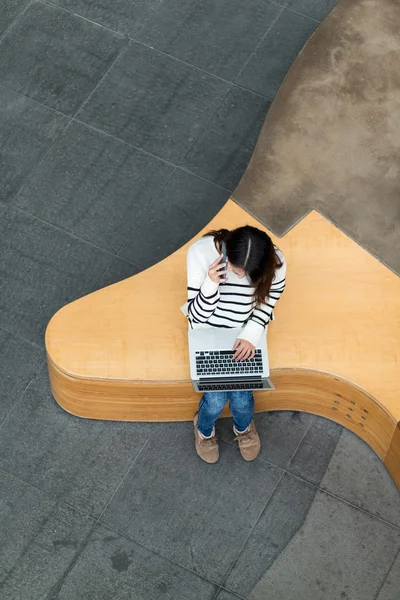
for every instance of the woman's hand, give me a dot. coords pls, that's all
(244, 350)
(217, 270)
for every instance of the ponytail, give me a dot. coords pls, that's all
(262, 280)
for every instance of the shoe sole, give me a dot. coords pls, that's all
(250, 459)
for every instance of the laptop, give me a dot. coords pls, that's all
(212, 368)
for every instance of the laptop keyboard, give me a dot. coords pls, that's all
(214, 387)
(219, 362)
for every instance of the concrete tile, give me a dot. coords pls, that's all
(224, 148)
(358, 475)
(316, 450)
(279, 524)
(94, 187)
(224, 595)
(20, 361)
(195, 514)
(335, 459)
(308, 544)
(154, 102)
(317, 9)
(79, 461)
(373, 223)
(391, 587)
(280, 434)
(9, 10)
(28, 130)
(179, 212)
(39, 540)
(218, 38)
(42, 269)
(117, 271)
(125, 16)
(55, 57)
(273, 59)
(113, 567)
(282, 214)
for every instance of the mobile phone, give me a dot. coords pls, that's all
(224, 258)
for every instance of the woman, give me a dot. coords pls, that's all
(241, 293)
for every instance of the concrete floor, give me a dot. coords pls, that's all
(124, 127)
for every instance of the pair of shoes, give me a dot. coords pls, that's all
(206, 448)
(249, 442)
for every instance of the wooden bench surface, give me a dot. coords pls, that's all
(340, 314)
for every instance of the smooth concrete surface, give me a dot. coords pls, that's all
(332, 138)
(120, 510)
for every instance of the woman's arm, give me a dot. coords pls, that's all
(203, 288)
(262, 314)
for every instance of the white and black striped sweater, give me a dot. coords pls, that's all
(228, 304)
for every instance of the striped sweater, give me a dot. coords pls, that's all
(228, 304)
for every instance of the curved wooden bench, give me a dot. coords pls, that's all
(117, 354)
(334, 347)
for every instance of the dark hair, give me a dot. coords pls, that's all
(253, 250)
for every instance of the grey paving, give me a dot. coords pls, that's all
(186, 510)
(222, 152)
(113, 567)
(118, 270)
(154, 102)
(278, 525)
(316, 450)
(310, 545)
(28, 130)
(125, 16)
(94, 187)
(280, 433)
(20, 361)
(214, 37)
(9, 10)
(356, 473)
(391, 588)
(184, 203)
(346, 466)
(78, 461)
(39, 540)
(55, 57)
(317, 9)
(224, 595)
(42, 268)
(267, 68)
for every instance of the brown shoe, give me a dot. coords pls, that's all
(249, 443)
(206, 448)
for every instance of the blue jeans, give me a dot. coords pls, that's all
(212, 403)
